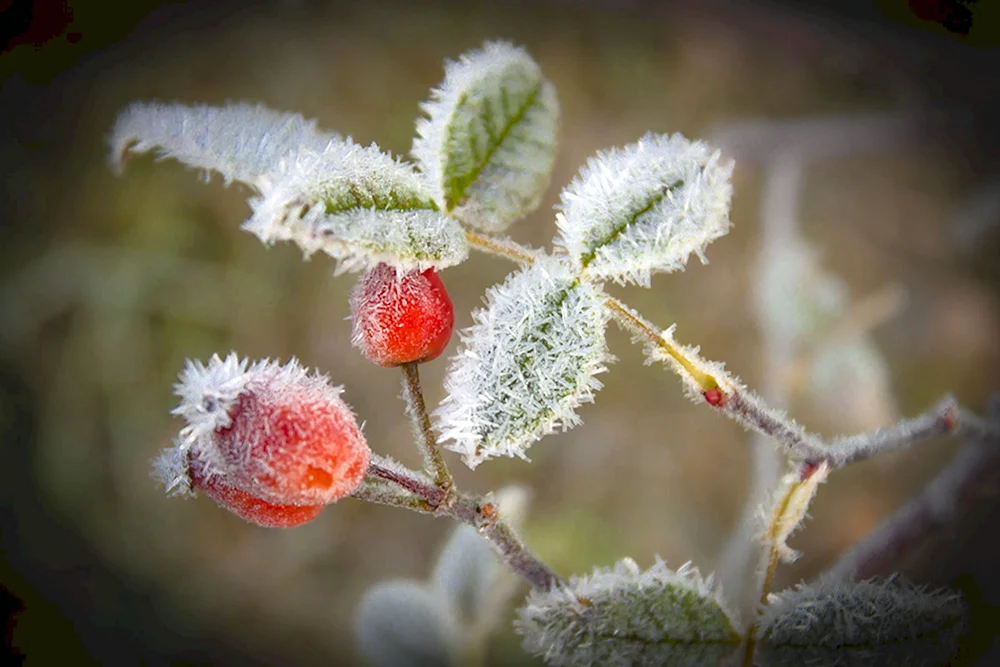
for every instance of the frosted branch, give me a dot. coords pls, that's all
(939, 420)
(933, 510)
(477, 512)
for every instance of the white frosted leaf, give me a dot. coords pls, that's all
(243, 142)
(624, 616)
(358, 205)
(528, 361)
(645, 208)
(864, 623)
(355, 203)
(488, 142)
(402, 623)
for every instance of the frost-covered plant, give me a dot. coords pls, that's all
(482, 158)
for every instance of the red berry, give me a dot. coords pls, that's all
(254, 510)
(398, 319)
(271, 443)
(288, 445)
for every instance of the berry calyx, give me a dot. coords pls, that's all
(273, 444)
(401, 318)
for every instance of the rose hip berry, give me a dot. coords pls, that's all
(273, 444)
(401, 318)
(249, 508)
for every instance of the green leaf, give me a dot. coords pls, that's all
(358, 205)
(644, 208)
(488, 142)
(529, 360)
(865, 623)
(624, 616)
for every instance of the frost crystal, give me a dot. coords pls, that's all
(624, 616)
(243, 142)
(487, 145)
(526, 363)
(645, 208)
(864, 623)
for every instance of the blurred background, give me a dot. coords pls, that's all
(107, 285)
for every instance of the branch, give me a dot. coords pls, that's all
(939, 420)
(420, 424)
(930, 512)
(475, 511)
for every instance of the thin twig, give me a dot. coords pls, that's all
(931, 511)
(503, 247)
(423, 434)
(477, 512)
(939, 420)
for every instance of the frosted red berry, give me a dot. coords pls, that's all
(398, 318)
(292, 445)
(252, 509)
(273, 444)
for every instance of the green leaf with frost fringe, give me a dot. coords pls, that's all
(488, 142)
(355, 203)
(644, 208)
(868, 623)
(358, 205)
(625, 616)
(528, 361)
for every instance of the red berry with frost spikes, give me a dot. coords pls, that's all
(398, 319)
(252, 509)
(264, 438)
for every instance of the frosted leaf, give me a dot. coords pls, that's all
(488, 142)
(243, 142)
(795, 509)
(528, 361)
(358, 205)
(644, 208)
(624, 616)
(865, 623)
(402, 623)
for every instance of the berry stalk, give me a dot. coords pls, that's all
(420, 424)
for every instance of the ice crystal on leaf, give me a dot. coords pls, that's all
(645, 208)
(625, 616)
(865, 623)
(488, 142)
(355, 203)
(529, 360)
